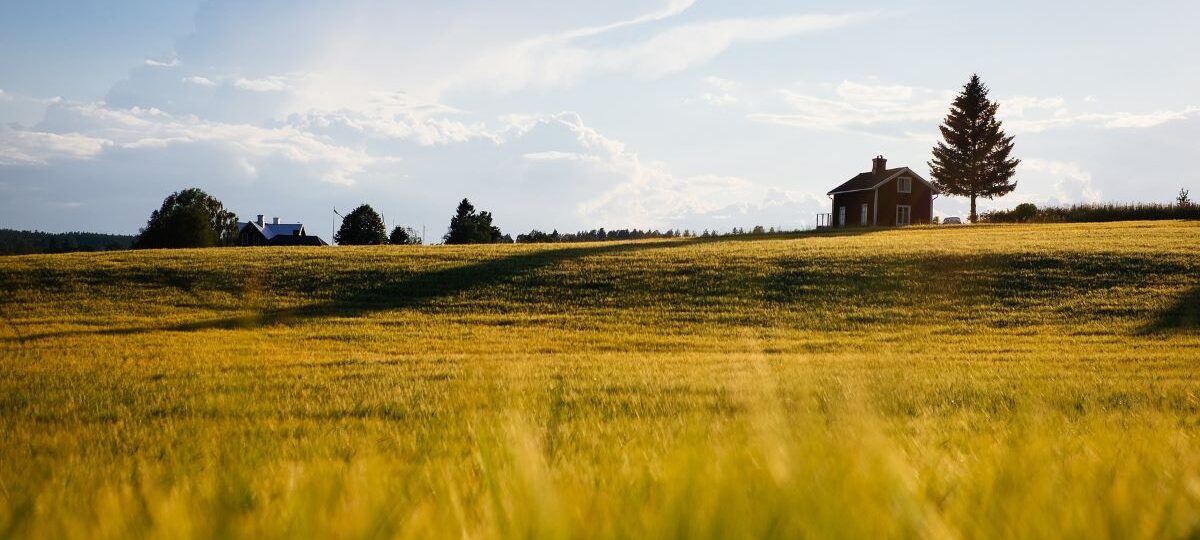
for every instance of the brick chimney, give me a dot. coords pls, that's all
(260, 220)
(878, 165)
(275, 221)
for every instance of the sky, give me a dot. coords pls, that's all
(555, 114)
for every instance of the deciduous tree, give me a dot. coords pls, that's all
(362, 226)
(187, 219)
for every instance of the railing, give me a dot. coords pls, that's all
(824, 221)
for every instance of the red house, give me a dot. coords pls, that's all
(882, 197)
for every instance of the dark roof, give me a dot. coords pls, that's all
(295, 240)
(865, 180)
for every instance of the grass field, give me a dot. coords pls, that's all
(993, 381)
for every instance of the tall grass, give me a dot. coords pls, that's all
(1096, 213)
(1026, 381)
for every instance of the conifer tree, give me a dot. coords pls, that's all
(973, 159)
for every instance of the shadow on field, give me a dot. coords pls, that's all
(1184, 314)
(379, 291)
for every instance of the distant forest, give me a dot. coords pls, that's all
(14, 242)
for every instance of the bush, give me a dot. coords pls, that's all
(404, 236)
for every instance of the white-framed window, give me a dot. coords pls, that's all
(903, 214)
(904, 185)
(841, 216)
(863, 217)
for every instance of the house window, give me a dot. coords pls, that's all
(904, 185)
(903, 214)
(863, 217)
(841, 216)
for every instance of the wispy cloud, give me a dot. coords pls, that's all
(268, 84)
(199, 81)
(907, 111)
(24, 147)
(558, 59)
(719, 92)
(152, 62)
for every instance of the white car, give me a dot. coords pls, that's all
(952, 221)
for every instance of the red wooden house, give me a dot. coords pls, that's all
(882, 197)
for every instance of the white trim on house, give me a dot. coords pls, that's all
(862, 216)
(907, 213)
(904, 184)
(875, 210)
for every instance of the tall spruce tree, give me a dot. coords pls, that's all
(470, 227)
(973, 160)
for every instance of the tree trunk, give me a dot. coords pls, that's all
(972, 218)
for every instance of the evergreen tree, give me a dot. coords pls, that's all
(186, 219)
(470, 227)
(973, 159)
(362, 226)
(404, 236)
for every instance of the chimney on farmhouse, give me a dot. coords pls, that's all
(878, 165)
(275, 221)
(260, 220)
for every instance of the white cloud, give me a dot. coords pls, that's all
(1111, 120)
(720, 92)
(199, 81)
(555, 155)
(1018, 105)
(878, 109)
(151, 62)
(20, 147)
(269, 84)
(83, 131)
(718, 100)
(874, 93)
(859, 106)
(555, 60)
(1069, 182)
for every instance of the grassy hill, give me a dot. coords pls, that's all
(1033, 381)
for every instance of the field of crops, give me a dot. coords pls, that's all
(989, 381)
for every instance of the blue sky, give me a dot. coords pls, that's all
(572, 115)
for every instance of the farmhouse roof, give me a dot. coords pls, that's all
(872, 180)
(273, 229)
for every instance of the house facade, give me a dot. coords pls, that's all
(883, 197)
(261, 233)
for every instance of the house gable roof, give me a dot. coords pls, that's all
(271, 230)
(868, 180)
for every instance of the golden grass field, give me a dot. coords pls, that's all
(956, 382)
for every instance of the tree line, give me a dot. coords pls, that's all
(13, 242)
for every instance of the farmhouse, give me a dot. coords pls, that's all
(882, 197)
(259, 233)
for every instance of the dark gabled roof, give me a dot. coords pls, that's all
(869, 180)
(865, 180)
(295, 240)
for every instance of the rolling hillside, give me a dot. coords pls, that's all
(945, 382)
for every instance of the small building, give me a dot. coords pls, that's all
(881, 197)
(260, 233)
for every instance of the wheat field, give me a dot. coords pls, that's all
(1036, 381)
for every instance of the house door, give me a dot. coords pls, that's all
(863, 218)
(841, 216)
